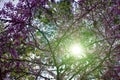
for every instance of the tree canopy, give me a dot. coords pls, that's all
(60, 40)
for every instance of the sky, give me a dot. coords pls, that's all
(4, 1)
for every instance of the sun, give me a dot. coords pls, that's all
(77, 50)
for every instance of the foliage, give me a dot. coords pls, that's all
(35, 36)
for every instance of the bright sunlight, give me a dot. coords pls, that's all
(77, 50)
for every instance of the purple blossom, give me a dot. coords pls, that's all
(9, 5)
(116, 27)
(115, 10)
(17, 31)
(118, 3)
(13, 53)
(53, 1)
(81, 1)
(17, 18)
